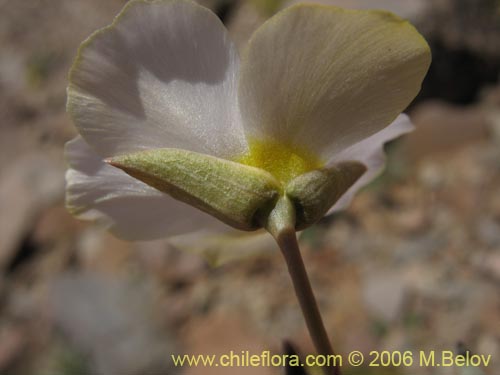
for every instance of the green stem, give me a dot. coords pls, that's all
(281, 225)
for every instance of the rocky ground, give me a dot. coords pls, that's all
(414, 264)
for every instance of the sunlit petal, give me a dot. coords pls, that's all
(164, 74)
(324, 78)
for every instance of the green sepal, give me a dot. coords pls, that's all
(234, 193)
(315, 192)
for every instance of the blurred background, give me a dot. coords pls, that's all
(414, 264)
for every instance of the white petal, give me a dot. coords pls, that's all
(130, 208)
(223, 247)
(409, 9)
(164, 74)
(324, 78)
(370, 152)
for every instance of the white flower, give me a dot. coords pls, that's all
(403, 8)
(317, 85)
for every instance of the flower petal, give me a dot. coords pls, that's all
(409, 9)
(370, 152)
(130, 208)
(325, 78)
(164, 74)
(223, 247)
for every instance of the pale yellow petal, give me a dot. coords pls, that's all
(324, 78)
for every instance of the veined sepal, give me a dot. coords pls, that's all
(234, 193)
(315, 192)
(241, 196)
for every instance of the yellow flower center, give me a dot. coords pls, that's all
(283, 161)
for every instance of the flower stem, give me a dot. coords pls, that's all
(287, 242)
(281, 224)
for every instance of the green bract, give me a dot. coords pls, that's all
(237, 194)
(313, 193)
(232, 192)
